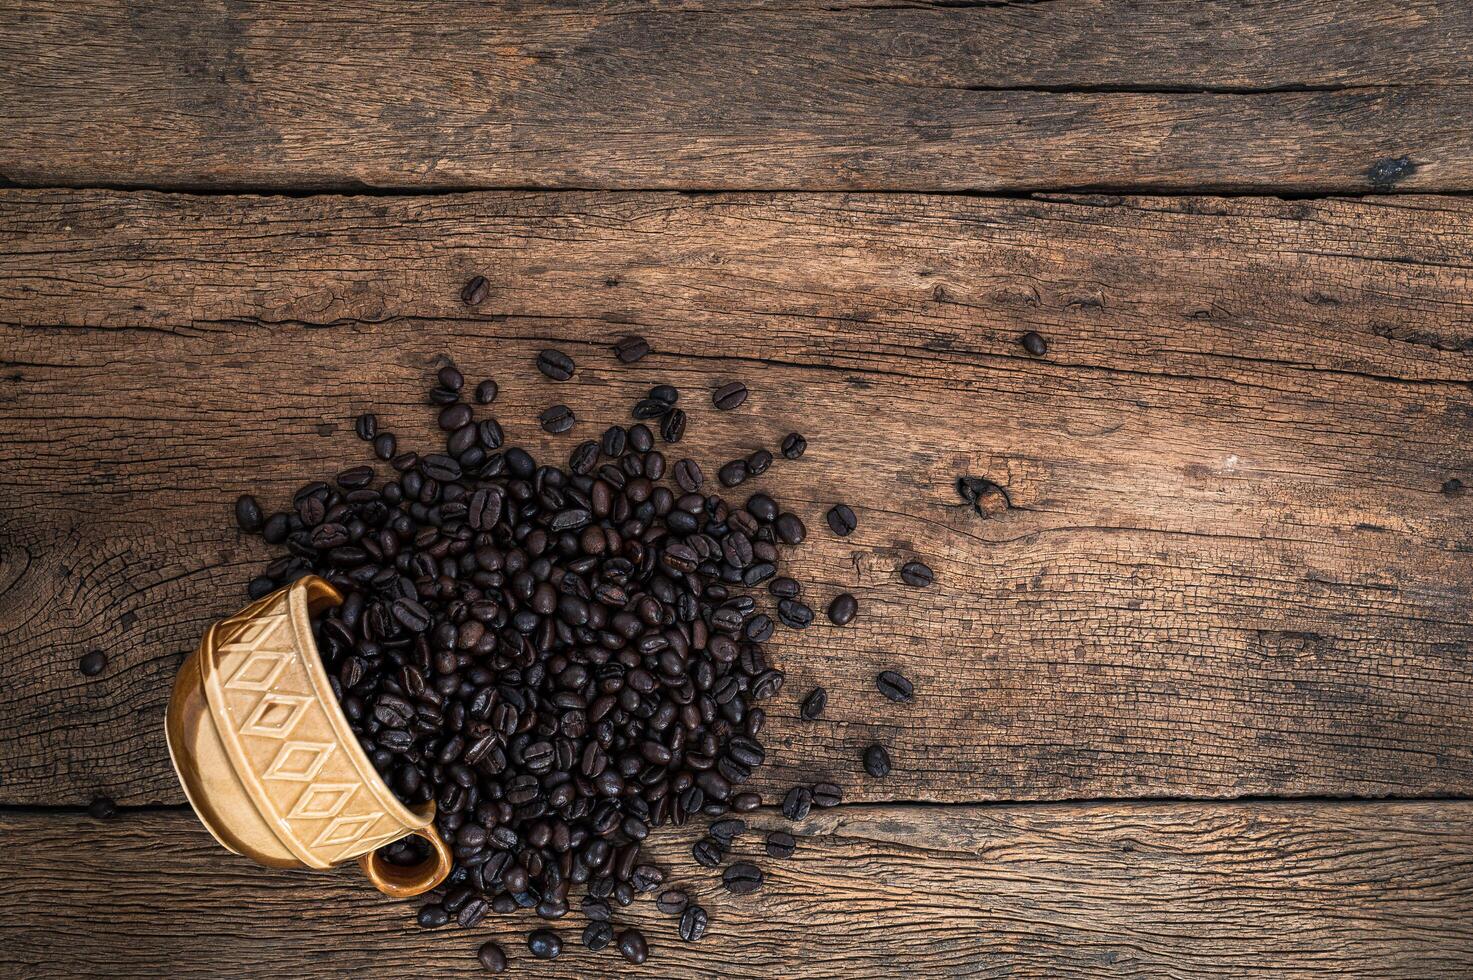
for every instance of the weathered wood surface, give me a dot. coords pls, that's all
(1231, 566)
(1310, 95)
(1124, 890)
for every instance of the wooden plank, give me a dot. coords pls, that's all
(1230, 568)
(1306, 96)
(1138, 890)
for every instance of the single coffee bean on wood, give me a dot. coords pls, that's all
(794, 614)
(742, 878)
(826, 795)
(384, 445)
(672, 425)
(672, 901)
(450, 378)
(758, 462)
(630, 349)
(688, 475)
(693, 922)
(248, 514)
(797, 802)
(733, 473)
(366, 426)
(545, 944)
(487, 391)
(843, 609)
(781, 844)
(814, 704)
(632, 946)
(917, 573)
(794, 445)
(729, 396)
(894, 686)
(475, 291)
(841, 520)
(598, 935)
(746, 802)
(1034, 344)
(877, 761)
(555, 364)
(93, 662)
(492, 957)
(557, 419)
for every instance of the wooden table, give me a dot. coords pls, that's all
(1197, 704)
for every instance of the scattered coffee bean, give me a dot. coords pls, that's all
(669, 394)
(797, 802)
(742, 878)
(450, 378)
(557, 419)
(366, 426)
(1034, 344)
(641, 439)
(384, 445)
(688, 475)
(545, 944)
(794, 445)
(248, 514)
(790, 529)
(598, 935)
(877, 761)
(729, 396)
(733, 473)
(826, 795)
(794, 614)
(455, 416)
(492, 958)
(841, 520)
(693, 922)
(475, 291)
(746, 802)
(432, 916)
(632, 946)
(917, 574)
(672, 425)
(555, 364)
(842, 609)
(672, 902)
(649, 408)
(93, 662)
(260, 587)
(630, 349)
(785, 588)
(708, 852)
(758, 462)
(895, 686)
(727, 830)
(486, 392)
(781, 844)
(102, 808)
(813, 705)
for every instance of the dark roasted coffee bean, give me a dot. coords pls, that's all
(489, 434)
(1034, 344)
(707, 852)
(260, 586)
(454, 416)
(826, 795)
(641, 439)
(646, 878)
(841, 520)
(555, 364)
(248, 514)
(475, 291)
(877, 761)
(758, 462)
(895, 686)
(630, 349)
(813, 704)
(598, 935)
(693, 923)
(842, 609)
(384, 445)
(433, 916)
(93, 662)
(797, 802)
(790, 529)
(745, 802)
(729, 396)
(102, 808)
(492, 957)
(733, 473)
(917, 574)
(727, 829)
(672, 901)
(794, 614)
(688, 475)
(450, 378)
(794, 445)
(649, 408)
(742, 878)
(781, 844)
(672, 425)
(366, 426)
(584, 458)
(473, 912)
(614, 440)
(486, 392)
(785, 588)
(544, 944)
(632, 946)
(596, 909)
(557, 419)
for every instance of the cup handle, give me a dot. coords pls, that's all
(397, 881)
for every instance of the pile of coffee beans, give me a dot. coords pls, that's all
(562, 657)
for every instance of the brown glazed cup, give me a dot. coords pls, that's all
(266, 756)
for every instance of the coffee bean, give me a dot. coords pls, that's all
(895, 686)
(486, 392)
(672, 901)
(813, 704)
(669, 394)
(841, 520)
(877, 761)
(544, 944)
(794, 614)
(632, 946)
(727, 829)
(785, 588)
(475, 291)
(260, 587)
(729, 396)
(746, 802)
(584, 458)
(781, 844)
(555, 364)
(672, 425)
(433, 916)
(826, 795)
(843, 609)
(384, 445)
(492, 957)
(93, 662)
(742, 878)
(630, 349)
(758, 462)
(693, 922)
(1034, 344)
(917, 574)
(614, 441)
(797, 802)
(598, 935)
(641, 439)
(102, 808)
(707, 852)
(790, 529)
(473, 912)
(366, 426)
(248, 514)
(450, 378)
(794, 445)
(557, 419)
(688, 475)
(649, 408)
(733, 473)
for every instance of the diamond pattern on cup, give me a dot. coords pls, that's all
(346, 830)
(259, 672)
(322, 800)
(300, 761)
(275, 715)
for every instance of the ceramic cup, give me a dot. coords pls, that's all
(266, 756)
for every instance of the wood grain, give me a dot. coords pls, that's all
(1133, 890)
(1231, 566)
(1305, 96)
